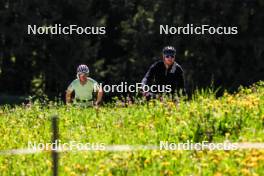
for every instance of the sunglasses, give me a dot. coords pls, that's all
(169, 56)
(83, 74)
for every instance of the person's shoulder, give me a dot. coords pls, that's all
(92, 80)
(75, 81)
(73, 84)
(157, 64)
(179, 67)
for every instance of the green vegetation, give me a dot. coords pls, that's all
(46, 64)
(238, 117)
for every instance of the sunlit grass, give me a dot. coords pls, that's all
(238, 117)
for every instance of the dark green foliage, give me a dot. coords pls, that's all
(46, 64)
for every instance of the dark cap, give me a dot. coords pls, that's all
(170, 50)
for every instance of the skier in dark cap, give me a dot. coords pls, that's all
(165, 72)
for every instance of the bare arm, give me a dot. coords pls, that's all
(99, 96)
(68, 96)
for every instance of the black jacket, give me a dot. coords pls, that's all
(159, 75)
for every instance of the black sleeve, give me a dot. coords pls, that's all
(180, 80)
(149, 76)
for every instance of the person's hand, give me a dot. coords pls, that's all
(68, 104)
(96, 105)
(146, 94)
